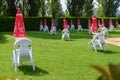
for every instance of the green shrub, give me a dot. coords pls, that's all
(33, 23)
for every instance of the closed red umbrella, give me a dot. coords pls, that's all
(103, 24)
(94, 24)
(45, 23)
(98, 22)
(64, 24)
(52, 23)
(71, 22)
(110, 22)
(19, 28)
(78, 22)
(41, 23)
(89, 22)
(116, 22)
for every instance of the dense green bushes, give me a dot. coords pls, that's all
(33, 23)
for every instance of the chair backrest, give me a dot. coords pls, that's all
(104, 30)
(53, 28)
(99, 36)
(24, 44)
(65, 31)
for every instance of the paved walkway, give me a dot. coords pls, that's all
(113, 41)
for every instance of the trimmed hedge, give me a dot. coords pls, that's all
(83, 21)
(33, 23)
(6, 24)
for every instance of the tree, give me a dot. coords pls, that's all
(34, 7)
(43, 7)
(11, 11)
(3, 8)
(54, 8)
(75, 7)
(109, 7)
(88, 8)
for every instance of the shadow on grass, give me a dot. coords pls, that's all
(27, 70)
(3, 38)
(108, 52)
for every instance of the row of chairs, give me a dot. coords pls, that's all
(45, 29)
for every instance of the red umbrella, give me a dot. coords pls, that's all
(116, 22)
(52, 23)
(103, 24)
(41, 23)
(89, 22)
(71, 22)
(98, 22)
(94, 24)
(64, 24)
(78, 22)
(19, 29)
(45, 23)
(110, 22)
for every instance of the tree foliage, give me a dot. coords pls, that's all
(3, 8)
(109, 7)
(11, 11)
(75, 7)
(42, 8)
(53, 8)
(34, 7)
(56, 8)
(88, 8)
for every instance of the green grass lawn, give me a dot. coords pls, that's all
(59, 60)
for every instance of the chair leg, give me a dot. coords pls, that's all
(103, 48)
(33, 66)
(14, 62)
(15, 66)
(94, 47)
(68, 37)
(32, 60)
(62, 37)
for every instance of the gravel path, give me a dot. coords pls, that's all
(113, 41)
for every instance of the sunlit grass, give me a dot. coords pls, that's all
(59, 60)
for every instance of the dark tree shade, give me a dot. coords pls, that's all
(34, 7)
(109, 7)
(11, 8)
(88, 8)
(75, 7)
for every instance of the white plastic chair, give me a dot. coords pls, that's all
(118, 26)
(53, 30)
(111, 27)
(41, 28)
(98, 41)
(99, 27)
(104, 31)
(46, 29)
(80, 28)
(68, 26)
(23, 52)
(72, 27)
(90, 30)
(65, 34)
